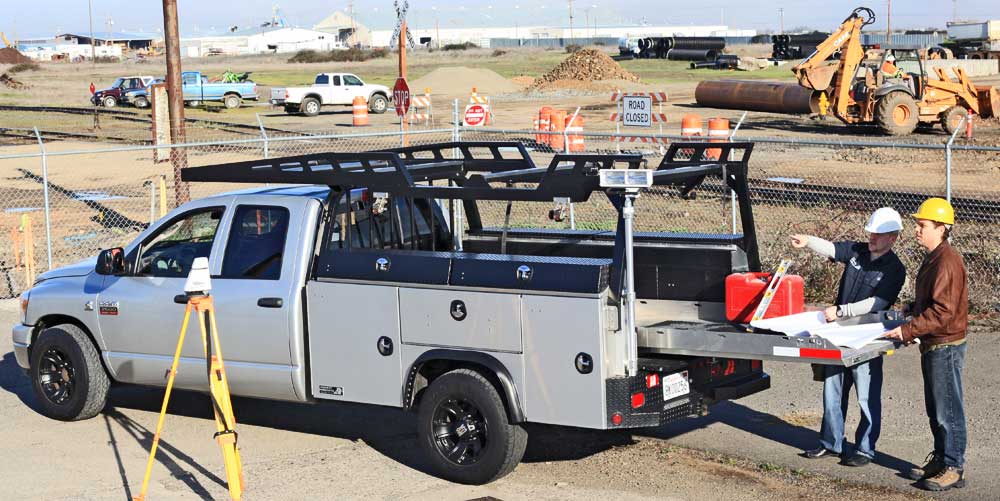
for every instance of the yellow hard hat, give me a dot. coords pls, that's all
(936, 209)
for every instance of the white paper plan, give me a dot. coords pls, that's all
(813, 323)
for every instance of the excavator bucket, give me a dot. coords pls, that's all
(989, 101)
(817, 78)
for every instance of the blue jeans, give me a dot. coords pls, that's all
(867, 379)
(942, 369)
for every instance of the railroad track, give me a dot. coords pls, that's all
(50, 134)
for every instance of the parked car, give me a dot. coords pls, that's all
(113, 96)
(330, 89)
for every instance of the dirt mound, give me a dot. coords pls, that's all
(9, 55)
(588, 65)
(459, 81)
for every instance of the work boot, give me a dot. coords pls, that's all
(946, 479)
(933, 466)
(821, 452)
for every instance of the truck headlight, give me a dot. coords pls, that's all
(24, 305)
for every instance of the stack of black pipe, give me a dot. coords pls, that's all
(785, 47)
(682, 48)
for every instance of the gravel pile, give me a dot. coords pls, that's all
(586, 65)
(9, 55)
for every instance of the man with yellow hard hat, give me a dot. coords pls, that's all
(940, 318)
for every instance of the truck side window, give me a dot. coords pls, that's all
(171, 251)
(373, 227)
(336, 80)
(352, 80)
(190, 79)
(256, 243)
(322, 79)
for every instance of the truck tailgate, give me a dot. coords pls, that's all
(717, 339)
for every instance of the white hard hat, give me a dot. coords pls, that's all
(884, 220)
(890, 58)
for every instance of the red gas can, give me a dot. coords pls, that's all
(745, 290)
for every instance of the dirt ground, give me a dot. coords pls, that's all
(743, 450)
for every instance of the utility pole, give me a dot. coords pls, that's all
(354, 28)
(954, 10)
(571, 37)
(93, 50)
(888, 20)
(175, 102)
(781, 20)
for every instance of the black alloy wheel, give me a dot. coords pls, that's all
(460, 431)
(56, 376)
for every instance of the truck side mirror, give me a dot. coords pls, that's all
(111, 262)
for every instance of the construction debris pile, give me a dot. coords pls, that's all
(586, 65)
(9, 82)
(10, 55)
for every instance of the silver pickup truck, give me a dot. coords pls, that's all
(372, 279)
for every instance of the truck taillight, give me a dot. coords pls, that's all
(755, 365)
(638, 400)
(286, 93)
(652, 380)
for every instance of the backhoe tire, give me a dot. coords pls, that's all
(309, 107)
(66, 374)
(463, 430)
(896, 114)
(951, 118)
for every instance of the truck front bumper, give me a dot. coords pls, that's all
(21, 335)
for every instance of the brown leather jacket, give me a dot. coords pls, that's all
(941, 308)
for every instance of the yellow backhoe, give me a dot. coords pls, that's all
(896, 94)
(6, 43)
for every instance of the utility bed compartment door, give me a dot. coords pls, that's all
(728, 341)
(461, 319)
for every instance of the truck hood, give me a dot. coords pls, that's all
(80, 269)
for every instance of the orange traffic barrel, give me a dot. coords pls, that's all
(557, 124)
(360, 111)
(690, 125)
(718, 132)
(574, 129)
(542, 124)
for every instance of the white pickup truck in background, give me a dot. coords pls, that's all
(330, 89)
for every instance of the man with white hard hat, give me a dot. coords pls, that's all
(873, 276)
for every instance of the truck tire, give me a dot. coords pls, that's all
(231, 101)
(141, 102)
(378, 104)
(464, 432)
(952, 118)
(109, 101)
(896, 114)
(310, 106)
(67, 375)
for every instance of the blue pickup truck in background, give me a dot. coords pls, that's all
(197, 89)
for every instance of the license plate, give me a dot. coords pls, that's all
(675, 385)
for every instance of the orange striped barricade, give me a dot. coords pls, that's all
(542, 124)
(660, 118)
(557, 124)
(574, 130)
(420, 108)
(475, 98)
(690, 128)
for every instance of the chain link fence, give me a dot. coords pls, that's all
(100, 195)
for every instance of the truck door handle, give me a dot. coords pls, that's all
(270, 302)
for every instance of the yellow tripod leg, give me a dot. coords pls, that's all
(225, 421)
(163, 408)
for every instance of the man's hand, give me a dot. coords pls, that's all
(895, 334)
(799, 241)
(830, 313)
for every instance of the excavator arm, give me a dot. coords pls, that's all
(815, 72)
(6, 43)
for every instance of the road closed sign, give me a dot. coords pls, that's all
(475, 115)
(637, 111)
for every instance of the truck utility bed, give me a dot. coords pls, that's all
(695, 336)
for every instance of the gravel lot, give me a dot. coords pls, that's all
(744, 450)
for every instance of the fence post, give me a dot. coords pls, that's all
(732, 194)
(947, 160)
(572, 215)
(45, 192)
(456, 134)
(263, 134)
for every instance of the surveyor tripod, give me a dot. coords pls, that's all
(218, 386)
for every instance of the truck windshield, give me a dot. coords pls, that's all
(352, 80)
(118, 83)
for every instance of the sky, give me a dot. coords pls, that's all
(198, 17)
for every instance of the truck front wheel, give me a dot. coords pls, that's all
(464, 432)
(67, 375)
(109, 102)
(378, 104)
(310, 107)
(952, 118)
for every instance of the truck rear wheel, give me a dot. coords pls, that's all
(67, 374)
(231, 101)
(951, 118)
(464, 432)
(896, 114)
(378, 104)
(141, 102)
(310, 107)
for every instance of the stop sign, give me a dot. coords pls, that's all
(401, 96)
(475, 114)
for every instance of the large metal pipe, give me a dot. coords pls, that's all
(717, 43)
(692, 54)
(771, 97)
